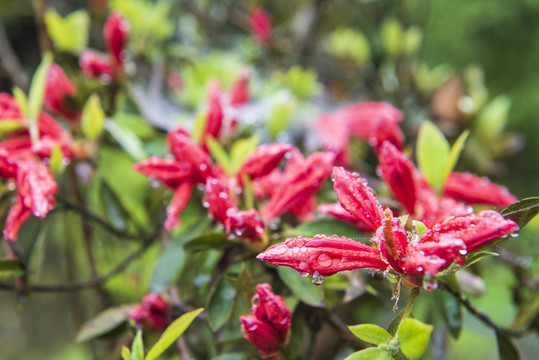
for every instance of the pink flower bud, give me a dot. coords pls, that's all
(261, 334)
(218, 199)
(181, 197)
(115, 32)
(246, 225)
(94, 65)
(170, 172)
(57, 88)
(239, 91)
(260, 24)
(264, 160)
(272, 309)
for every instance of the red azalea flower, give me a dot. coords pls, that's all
(9, 109)
(476, 190)
(301, 179)
(115, 32)
(152, 314)
(407, 254)
(260, 24)
(218, 199)
(264, 160)
(215, 115)
(57, 88)
(269, 324)
(245, 225)
(94, 65)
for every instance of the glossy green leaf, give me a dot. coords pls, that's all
(172, 333)
(302, 287)
(451, 311)
(205, 242)
(419, 227)
(168, 267)
(220, 303)
(93, 118)
(56, 161)
(37, 91)
(432, 154)
(137, 347)
(240, 150)
(454, 154)
(127, 140)
(105, 322)
(22, 100)
(413, 337)
(371, 333)
(112, 206)
(493, 117)
(506, 347)
(126, 353)
(370, 354)
(219, 154)
(69, 33)
(476, 256)
(8, 126)
(391, 36)
(523, 211)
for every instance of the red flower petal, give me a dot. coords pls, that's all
(264, 160)
(36, 187)
(323, 255)
(261, 334)
(246, 225)
(239, 91)
(181, 197)
(218, 199)
(260, 24)
(94, 65)
(214, 120)
(18, 214)
(170, 172)
(337, 211)
(115, 32)
(356, 197)
(476, 190)
(399, 173)
(272, 309)
(57, 88)
(476, 230)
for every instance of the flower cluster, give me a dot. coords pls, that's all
(95, 65)
(414, 256)
(268, 326)
(153, 313)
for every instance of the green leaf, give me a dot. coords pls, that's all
(8, 126)
(69, 33)
(219, 153)
(137, 348)
(105, 322)
(280, 114)
(200, 124)
(302, 287)
(126, 353)
(451, 311)
(172, 333)
(370, 354)
(22, 100)
(220, 303)
(240, 150)
(37, 91)
(413, 337)
(391, 36)
(506, 347)
(371, 333)
(349, 43)
(127, 140)
(493, 117)
(10, 269)
(205, 242)
(420, 228)
(523, 211)
(454, 154)
(56, 162)
(476, 256)
(168, 266)
(432, 154)
(93, 118)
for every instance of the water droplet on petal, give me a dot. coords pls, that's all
(324, 260)
(463, 252)
(318, 279)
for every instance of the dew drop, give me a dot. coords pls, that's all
(463, 252)
(514, 234)
(318, 279)
(255, 300)
(324, 260)
(223, 195)
(204, 167)
(303, 265)
(303, 273)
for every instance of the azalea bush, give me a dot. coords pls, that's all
(214, 180)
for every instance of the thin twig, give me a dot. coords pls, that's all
(40, 6)
(81, 285)
(480, 314)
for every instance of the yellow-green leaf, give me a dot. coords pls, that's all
(126, 353)
(219, 153)
(413, 337)
(22, 100)
(37, 91)
(370, 354)
(371, 333)
(432, 154)
(93, 118)
(454, 154)
(137, 348)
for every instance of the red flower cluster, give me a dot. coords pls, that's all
(95, 65)
(268, 326)
(260, 24)
(153, 313)
(20, 161)
(416, 257)
(57, 88)
(374, 122)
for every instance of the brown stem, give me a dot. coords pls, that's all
(11, 62)
(40, 6)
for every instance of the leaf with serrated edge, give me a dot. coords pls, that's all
(413, 337)
(371, 333)
(172, 333)
(370, 354)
